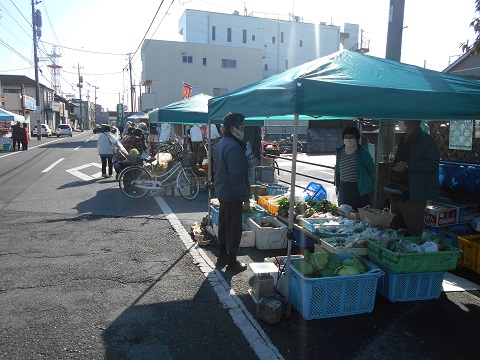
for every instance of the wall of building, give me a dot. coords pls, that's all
(285, 44)
(163, 70)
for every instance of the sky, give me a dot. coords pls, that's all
(97, 37)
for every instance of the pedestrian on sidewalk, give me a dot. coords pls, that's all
(106, 146)
(232, 188)
(25, 136)
(16, 135)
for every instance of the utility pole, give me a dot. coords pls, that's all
(36, 25)
(386, 133)
(132, 88)
(386, 129)
(80, 85)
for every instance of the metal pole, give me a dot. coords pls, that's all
(37, 84)
(386, 130)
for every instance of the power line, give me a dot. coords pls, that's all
(87, 51)
(144, 36)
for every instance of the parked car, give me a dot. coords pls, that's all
(98, 129)
(64, 129)
(46, 131)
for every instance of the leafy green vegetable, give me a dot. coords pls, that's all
(318, 260)
(334, 261)
(352, 266)
(304, 267)
(327, 272)
(346, 270)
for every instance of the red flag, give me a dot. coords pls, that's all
(187, 91)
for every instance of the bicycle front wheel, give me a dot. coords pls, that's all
(187, 184)
(128, 182)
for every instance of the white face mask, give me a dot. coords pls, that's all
(240, 135)
(350, 142)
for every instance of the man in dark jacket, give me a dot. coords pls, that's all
(232, 188)
(16, 135)
(415, 167)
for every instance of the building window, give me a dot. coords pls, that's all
(204, 61)
(253, 37)
(273, 39)
(266, 67)
(281, 37)
(219, 91)
(229, 34)
(301, 43)
(286, 64)
(229, 63)
(213, 32)
(187, 59)
(244, 36)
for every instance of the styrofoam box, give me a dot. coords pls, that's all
(269, 237)
(475, 222)
(248, 235)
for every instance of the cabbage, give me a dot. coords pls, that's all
(356, 263)
(352, 266)
(334, 261)
(304, 267)
(318, 259)
(327, 272)
(346, 270)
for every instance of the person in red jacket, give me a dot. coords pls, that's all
(24, 136)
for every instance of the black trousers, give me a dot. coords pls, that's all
(106, 159)
(230, 225)
(16, 144)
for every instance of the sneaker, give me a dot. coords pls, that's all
(105, 175)
(237, 266)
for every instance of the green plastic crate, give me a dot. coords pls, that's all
(413, 262)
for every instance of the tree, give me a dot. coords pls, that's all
(475, 48)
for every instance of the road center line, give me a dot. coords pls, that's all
(51, 166)
(258, 339)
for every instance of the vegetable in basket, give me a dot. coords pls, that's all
(351, 266)
(304, 267)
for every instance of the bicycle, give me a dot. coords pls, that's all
(136, 182)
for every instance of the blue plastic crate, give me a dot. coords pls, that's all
(302, 240)
(275, 189)
(450, 233)
(318, 298)
(258, 212)
(309, 223)
(410, 286)
(315, 191)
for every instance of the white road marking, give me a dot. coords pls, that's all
(258, 339)
(76, 172)
(78, 147)
(53, 165)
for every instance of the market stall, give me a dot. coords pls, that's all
(7, 119)
(351, 84)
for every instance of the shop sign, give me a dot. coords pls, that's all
(30, 103)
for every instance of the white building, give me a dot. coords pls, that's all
(223, 52)
(284, 43)
(209, 69)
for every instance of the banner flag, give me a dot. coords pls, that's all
(187, 91)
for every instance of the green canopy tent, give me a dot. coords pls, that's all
(351, 84)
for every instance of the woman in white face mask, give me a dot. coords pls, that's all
(354, 171)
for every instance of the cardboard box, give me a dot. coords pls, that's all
(466, 212)
(438, 214)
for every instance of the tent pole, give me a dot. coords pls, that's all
(209, 165)
(291, 215)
